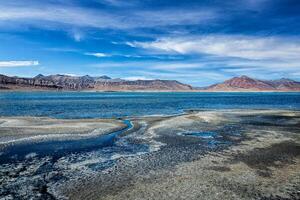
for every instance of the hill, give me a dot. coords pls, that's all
(245, 83)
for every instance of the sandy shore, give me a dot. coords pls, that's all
(32, 129)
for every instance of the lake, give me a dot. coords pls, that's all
(122, 104)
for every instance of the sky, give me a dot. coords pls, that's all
(196, 42)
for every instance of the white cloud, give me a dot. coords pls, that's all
(67, 74)
(159, 57)
(57, 14)
(34, 15)
(18, 63)
(98, 55)
(133, 78)
(246, 47)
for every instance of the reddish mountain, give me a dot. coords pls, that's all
(245, 83)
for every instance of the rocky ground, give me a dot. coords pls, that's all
(226, 154)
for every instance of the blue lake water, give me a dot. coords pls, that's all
(122, 104)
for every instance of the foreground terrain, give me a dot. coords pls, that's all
(226, 154)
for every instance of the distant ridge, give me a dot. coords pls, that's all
(245, 83)
(79, 83)
(105, 83)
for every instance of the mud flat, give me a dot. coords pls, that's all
(229, 154)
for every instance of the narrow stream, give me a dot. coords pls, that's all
(58, 149)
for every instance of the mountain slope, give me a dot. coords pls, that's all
(64, 82)
(245, 83)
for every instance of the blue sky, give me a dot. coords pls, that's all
(196, 42)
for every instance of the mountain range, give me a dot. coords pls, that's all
(101, 83)
(105, 83)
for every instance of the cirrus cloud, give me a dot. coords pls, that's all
(246, 47)
(98, 55)
(57, 15)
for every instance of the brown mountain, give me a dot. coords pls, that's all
(102, 83)
(105, 83)
(245, 83)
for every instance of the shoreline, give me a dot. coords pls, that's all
(151, 91)
(32, 129)
(44, 132)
